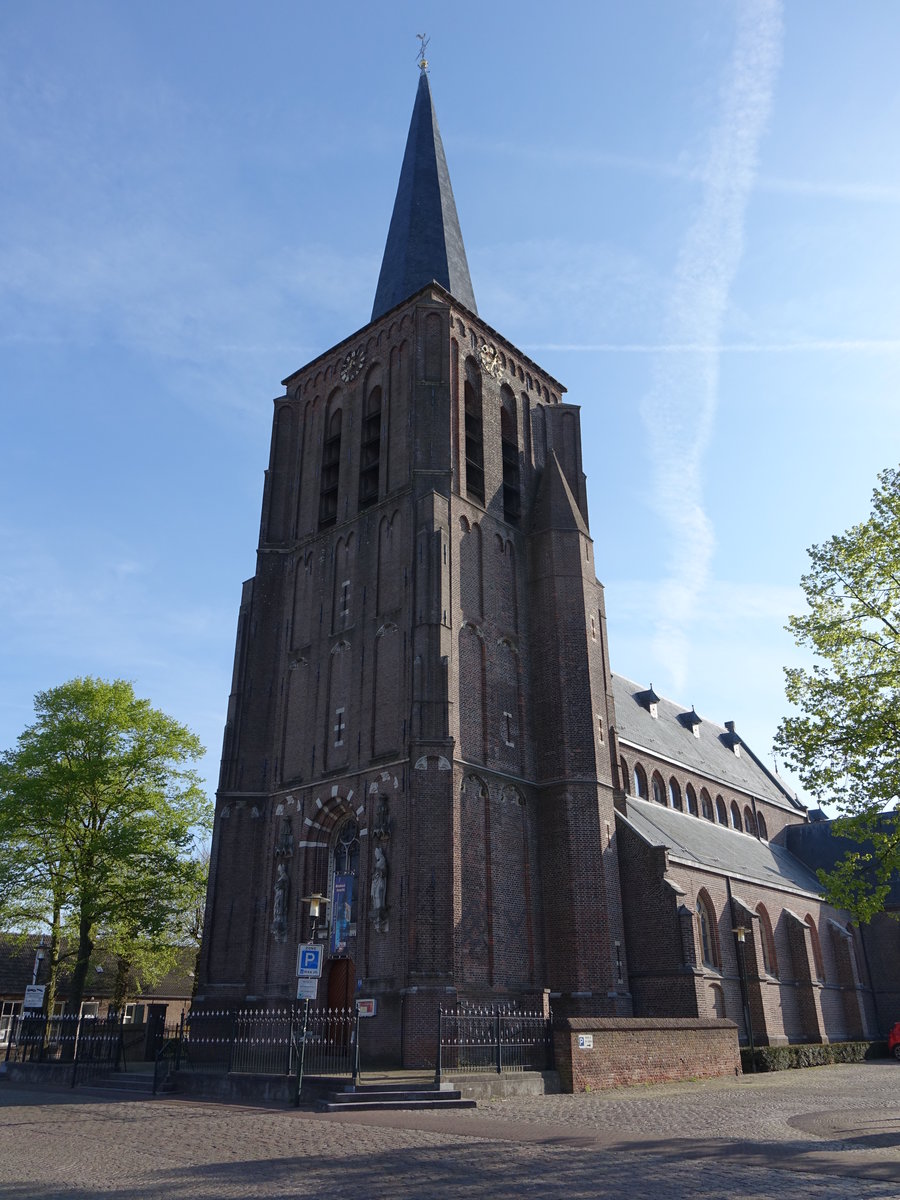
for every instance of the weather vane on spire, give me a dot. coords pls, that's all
(423, 42)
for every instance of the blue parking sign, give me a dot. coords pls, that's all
(309, 961)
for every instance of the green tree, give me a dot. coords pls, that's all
(99, 811)
(844, 741)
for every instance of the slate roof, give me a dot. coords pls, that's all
(711, 755)
(424, 241)
(819, 845)
(700, 843)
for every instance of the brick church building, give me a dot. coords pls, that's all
(424, 727)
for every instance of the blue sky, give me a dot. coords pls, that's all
(687, 213)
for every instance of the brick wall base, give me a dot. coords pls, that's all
(595, 1053)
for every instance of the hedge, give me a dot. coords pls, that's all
(788, 1058)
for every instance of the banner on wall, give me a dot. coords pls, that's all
(341, 912)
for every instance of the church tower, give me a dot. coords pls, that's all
(421, 706)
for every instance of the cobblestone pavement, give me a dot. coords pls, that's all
(831, 1133)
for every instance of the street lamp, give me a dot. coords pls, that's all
(316, 904)
(740, 932)
(39, 956)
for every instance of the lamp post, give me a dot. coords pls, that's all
(316, 904)
(39, 956)
(740, 933)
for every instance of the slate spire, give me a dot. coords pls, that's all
(424, 242)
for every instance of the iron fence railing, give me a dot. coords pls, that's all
(287, 1041)
(91, 1044)
(497, 1039)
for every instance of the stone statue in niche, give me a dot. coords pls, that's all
(378, 890)
(279, 908)
(382, 830)
(284, 846)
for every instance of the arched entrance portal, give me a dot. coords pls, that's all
(344, 906)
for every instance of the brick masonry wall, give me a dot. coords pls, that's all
(630, 1050)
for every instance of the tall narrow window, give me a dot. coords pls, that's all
(706, 919)
(692, 801)
(370, 451)
(331, 469)
(640, 782)
(474, 437)
(512, 498)
(767, 941)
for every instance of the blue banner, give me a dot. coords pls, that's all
(341, 913)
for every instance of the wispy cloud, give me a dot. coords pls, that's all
(679, 410)
(585, 159)
(582, 158)
(800, 346)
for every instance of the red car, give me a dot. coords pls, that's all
(894, 1041)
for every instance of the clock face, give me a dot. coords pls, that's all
(352, 364)
(491, 361)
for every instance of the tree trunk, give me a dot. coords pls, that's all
(52, 962)
(79, 974)
(120, 992)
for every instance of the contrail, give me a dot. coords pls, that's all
(679, 410)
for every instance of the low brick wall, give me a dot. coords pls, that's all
(593, 1053)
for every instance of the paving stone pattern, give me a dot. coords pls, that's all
(826, 1134)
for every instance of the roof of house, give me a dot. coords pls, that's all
(710, 752)
(700, 843)
(17, 966)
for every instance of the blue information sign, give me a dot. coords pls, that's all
(309, 961)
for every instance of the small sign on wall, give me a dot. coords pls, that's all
(367, 1007)
(585, 1041)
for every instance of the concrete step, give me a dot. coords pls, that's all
(372, 1099)
(121, 1081)
(365, 1104)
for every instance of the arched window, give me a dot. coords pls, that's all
(623, 765)
(675, 795)
(749, 822)
(736, 817)
(474, 435)
(370, 450)
(344, 888)
(721, 811)
(692, 800)
(509, 448)
(706, 920)
(331, 468)
(761, 826)
(818, 960)
(659, 794)
(640, 782)
(706, 805)
(767, 941)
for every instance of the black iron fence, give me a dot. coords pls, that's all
(497, 1039)
(263, 1042)
(92, 1045)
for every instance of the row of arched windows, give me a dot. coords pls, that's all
(474, 444)
(370, 457)
(669, 795)
(710, 950)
